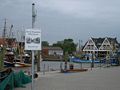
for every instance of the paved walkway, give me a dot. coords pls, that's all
(97, 79)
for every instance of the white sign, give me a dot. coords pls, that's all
(32, 39)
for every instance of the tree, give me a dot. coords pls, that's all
(67, 45)
(58, 44)
(45, 43)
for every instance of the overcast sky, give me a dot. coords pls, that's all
(60, 19)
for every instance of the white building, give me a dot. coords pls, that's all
(100, 47)
(53, 51)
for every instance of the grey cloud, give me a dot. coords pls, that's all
(80, 19)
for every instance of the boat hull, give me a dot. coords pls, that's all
(8, 64)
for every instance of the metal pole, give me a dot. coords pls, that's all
(33, 24)
(33, 15)
(32, 69)
(79, 46)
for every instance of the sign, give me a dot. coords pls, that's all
(32, 39)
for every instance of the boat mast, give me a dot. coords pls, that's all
(4, 30)
(11, 33)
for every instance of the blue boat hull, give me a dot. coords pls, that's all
(77, 60)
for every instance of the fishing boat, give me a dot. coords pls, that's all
(25, 62)
(9, 58)
(18, 63)
(10, 61)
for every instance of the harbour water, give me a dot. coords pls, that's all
(46, 66)
(55, 65)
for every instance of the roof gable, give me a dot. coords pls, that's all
(105, 45)
(101, 44)
(90, 45)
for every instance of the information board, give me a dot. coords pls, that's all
(32, 39)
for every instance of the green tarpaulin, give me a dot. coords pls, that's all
(14, 80)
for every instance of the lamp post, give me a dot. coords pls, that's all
(33, 24)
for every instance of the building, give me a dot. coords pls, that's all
(100, 47)
(8, 42)
(52, 53)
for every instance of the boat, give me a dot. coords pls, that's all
(25, 61)
(9, 58)
(22, 65)
(77, 60)
(8, 64)
(18, 63)
(10, 61)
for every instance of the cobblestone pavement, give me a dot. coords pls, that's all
(96, 79)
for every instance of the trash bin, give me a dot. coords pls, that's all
(71, 67)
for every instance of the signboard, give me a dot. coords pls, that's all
(32, 39)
